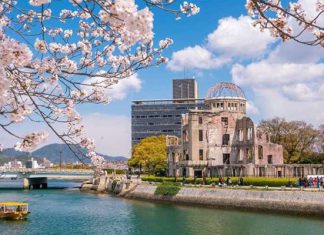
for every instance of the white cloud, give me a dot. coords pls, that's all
(272, 102)
(112, 134)
(232, 39)
(238, 38)
(251, 108)
(309, 6)
(293, 52)
(27, 127)
(291, 90)
(196, 57)
(289, 82)
(264, 73)
(285, 81)
(120, 90)
(299, 92)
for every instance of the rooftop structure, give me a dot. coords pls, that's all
(225, 90)
(226, 97)
(185, 89)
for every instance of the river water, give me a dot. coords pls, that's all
(68, 211)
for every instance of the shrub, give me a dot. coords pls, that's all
(153, 178)
(167, 179)
(172, 183)
(118, 171)
(167, 189)
(255, 181)
(264, 181)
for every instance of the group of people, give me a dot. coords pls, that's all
(221, 181)
(9, 210)
(228, 181)
(312, 182)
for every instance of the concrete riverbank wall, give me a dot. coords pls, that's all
(285, 201)
(297, 202)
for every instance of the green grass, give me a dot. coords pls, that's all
(118, 171)
(255, 181)
(167, 189)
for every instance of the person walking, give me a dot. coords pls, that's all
(183, 180)
(228, 181)
(240, 181)
(220, 181)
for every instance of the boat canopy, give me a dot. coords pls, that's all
(13, 204)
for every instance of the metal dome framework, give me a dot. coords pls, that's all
(225, 89)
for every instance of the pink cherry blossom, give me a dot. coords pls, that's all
(47, 69)
(289, 22)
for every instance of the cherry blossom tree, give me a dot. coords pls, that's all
(291, 21)
(56, 55)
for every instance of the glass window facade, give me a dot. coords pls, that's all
(157, 117)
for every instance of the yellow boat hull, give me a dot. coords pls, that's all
(14, 215)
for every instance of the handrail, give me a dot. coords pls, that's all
(44, 170)
(192, 163)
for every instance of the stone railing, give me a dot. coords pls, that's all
(213, 163)
(45, 170)
(192, 163)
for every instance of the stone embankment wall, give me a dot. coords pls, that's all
(300, 202)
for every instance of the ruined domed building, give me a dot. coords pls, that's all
(220, 140)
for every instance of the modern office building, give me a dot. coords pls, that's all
(185, 89)
(156, 117)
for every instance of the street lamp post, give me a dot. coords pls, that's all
(60, 160)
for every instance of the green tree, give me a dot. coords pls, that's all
(150, 155)
(297, 137)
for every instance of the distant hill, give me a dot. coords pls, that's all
(52, 152)
(11, 152)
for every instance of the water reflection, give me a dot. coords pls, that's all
(52, 184)
(69, 211)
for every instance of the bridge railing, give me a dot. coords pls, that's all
(45, 170)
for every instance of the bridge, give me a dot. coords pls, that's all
(37, 177)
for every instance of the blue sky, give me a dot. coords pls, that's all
(189, 31)
(156, 82)
(219, 44)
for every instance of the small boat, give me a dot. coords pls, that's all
(13, 210)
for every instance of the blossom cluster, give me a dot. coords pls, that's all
(55, 60)
(273, 16)
(189, 8)
(31, 141)
(186, 8)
